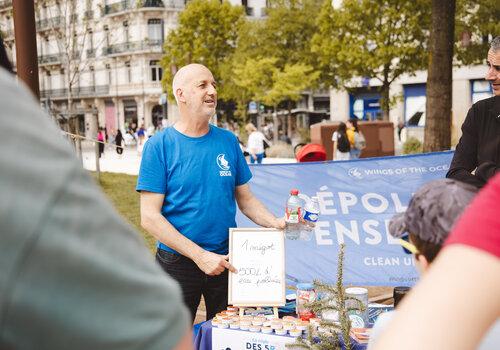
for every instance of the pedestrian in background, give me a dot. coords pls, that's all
(118, 142)
(255, 145)
(341, 145)
(357, 140)
(101, 137)
(141, 136)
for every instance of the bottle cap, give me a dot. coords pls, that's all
(294, 192)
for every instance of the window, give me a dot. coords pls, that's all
(480, 89)
(129, 71)
(414, 107)
(155, 30)
(108, 69)
(156, 70)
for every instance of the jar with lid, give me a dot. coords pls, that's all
(305, 294)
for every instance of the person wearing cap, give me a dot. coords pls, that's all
(477, 156)
(455, 305)
(424, 227)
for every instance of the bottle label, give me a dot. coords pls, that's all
(292, 216)
(310, 216)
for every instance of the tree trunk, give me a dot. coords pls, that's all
(275, 125)
(385, 101)
(289, 121)
(437, 135)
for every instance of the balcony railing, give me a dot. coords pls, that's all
(176, 4)
(5, 4)
(126, 5)
(56, 58)
(49, 23)
(76, 92)
(117, 7)
(133, 46)
(49, 59)
(151, 3)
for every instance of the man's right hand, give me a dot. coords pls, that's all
(214, 264)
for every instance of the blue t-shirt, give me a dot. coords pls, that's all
(198, 176)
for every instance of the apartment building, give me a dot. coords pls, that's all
(112, 70)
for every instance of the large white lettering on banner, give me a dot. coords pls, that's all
(224, 339)
(357, 200)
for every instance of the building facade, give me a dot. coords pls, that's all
(363, 100)
(111, 70)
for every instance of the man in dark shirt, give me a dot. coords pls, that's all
(479, 146)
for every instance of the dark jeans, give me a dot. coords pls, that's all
(195, 283)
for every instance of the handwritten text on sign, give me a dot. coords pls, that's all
(258, 255)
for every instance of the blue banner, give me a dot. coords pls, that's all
(357, 199)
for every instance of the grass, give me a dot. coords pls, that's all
(120, 189)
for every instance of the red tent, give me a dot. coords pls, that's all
(311, 152)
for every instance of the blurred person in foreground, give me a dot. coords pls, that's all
(457, 301)
(191, 177)
(423, 228)
(62, 283)
(477, 156)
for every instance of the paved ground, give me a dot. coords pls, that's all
(130, 160)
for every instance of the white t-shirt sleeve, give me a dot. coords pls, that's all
(256, 142)
(335, 136)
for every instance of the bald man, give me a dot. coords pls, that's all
(192, 174)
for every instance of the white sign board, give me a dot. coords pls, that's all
(223, 339)
(259, 256)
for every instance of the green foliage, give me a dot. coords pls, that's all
(207, 34)
(381, 39)
(476, 20)
(287, 31)
(271, 52)
(262, 80)
(412, 146)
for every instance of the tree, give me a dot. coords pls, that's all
(71, 38)
(262, 80)
(283, 36)
(286, 32)
(380, 39)
(437, 135)
(476, 22)
(207, 34)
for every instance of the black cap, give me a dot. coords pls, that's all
(433, 210)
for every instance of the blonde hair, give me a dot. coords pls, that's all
(250, 127)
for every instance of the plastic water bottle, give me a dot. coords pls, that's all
(293, 214)
(311, 215)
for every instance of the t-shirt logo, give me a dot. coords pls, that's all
(223, 165)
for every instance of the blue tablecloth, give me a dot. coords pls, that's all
(203, 340)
